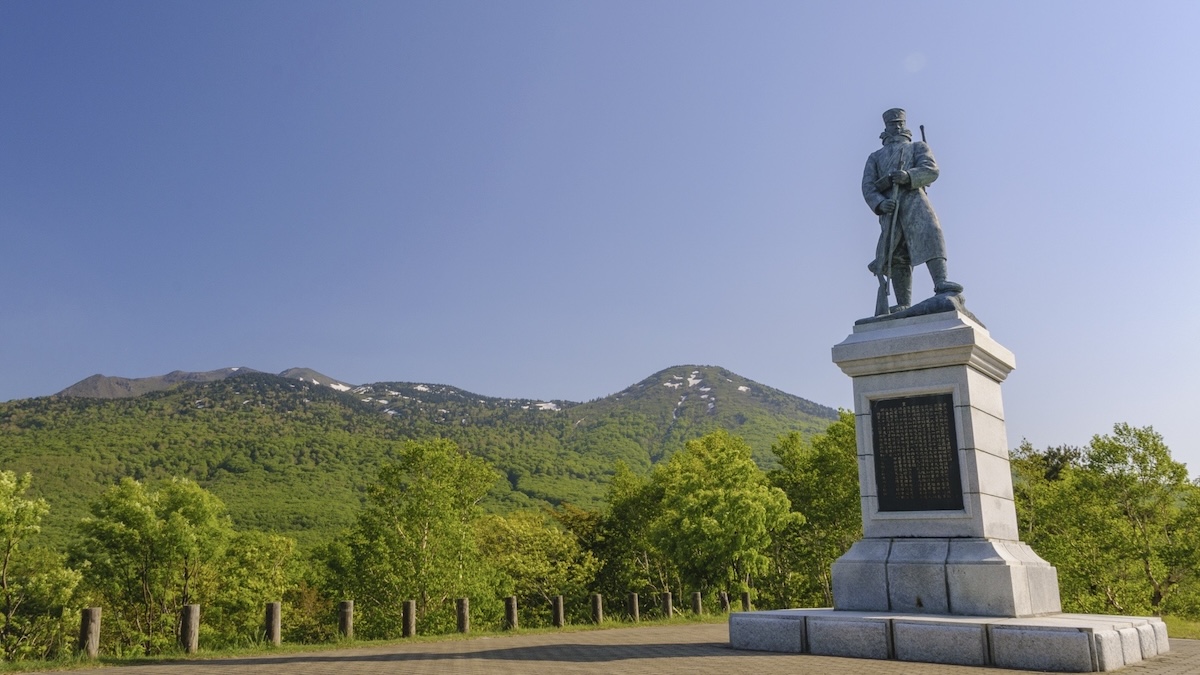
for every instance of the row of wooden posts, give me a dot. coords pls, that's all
(189, 618)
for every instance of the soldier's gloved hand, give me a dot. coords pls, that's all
(887, 206)
(900, 177)
(883, 183)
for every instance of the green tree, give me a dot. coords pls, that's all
(35, 587)
(820, 479)
(127, 565)
(1155, 507)
(619, 538)
(535, 559)
(415, 539)
(256, 568)
(1119, 520)
(146, 552)
(719, 513)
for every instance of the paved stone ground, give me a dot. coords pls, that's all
(661, 650)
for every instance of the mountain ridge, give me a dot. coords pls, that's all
(294, 454)
(114, 386)
(104, 386)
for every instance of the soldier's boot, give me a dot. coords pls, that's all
(902, 287)
(937, 270)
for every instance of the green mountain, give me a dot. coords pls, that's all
(105, 386)
(291, 453)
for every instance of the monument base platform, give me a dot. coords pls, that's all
(1076, 643)
(925, 575)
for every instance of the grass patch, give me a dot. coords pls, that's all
(1182, 628)
(75, 663)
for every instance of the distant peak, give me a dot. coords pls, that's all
(104, 386)
(310, 375)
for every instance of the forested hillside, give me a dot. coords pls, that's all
(293, 456)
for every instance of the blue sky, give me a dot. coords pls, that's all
(556, 199)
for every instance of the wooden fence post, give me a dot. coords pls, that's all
(560, 618)
(410, 618)
(346, 619)
(89, 632)
(510, 613)
(189, 628)
(274, 623)
(597, 608)
(464, 615)
(668, 610)
(724, 598)
(697, 603)
(745, 601)
(632, 606)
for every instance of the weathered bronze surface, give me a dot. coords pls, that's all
(894, 184)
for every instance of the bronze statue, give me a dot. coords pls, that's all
(893, 184)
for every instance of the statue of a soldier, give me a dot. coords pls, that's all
(893, 184)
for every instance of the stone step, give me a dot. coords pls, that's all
(1079, 643)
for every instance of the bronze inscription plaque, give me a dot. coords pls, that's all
(916, 454)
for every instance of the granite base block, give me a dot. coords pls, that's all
(767, 631)
(1057, 642)
(857, 637)
(860, 576)
(926, 642)
(1162, 644)
(1038, 648)
(1160, 637)
(1130, 644)
(1109, 653)
(1147, 641)
(916, 576)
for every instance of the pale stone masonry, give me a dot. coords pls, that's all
(940, 575)
(1061, 642)
(966, 561)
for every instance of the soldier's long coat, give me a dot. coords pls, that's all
(916, 219)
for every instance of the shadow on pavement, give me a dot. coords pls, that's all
(574, 653)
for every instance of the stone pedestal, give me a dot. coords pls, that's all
(973, 577)
(939, 523)
(940, 575)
